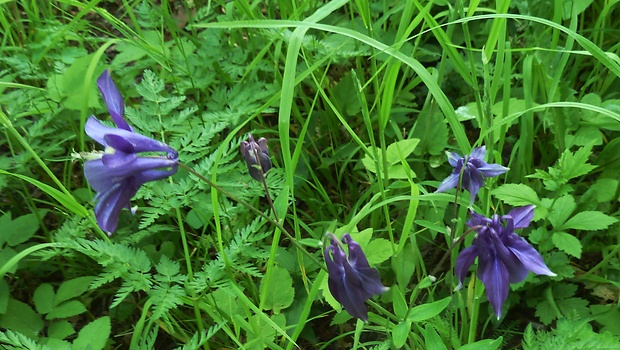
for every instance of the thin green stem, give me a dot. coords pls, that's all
(7, 123)
(256, 211)
(603, 262)
(456, 243)
(190, 274)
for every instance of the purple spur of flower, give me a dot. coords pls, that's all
(473, 174)
(118, 172)
(256, 155)
(351, 280)
(503, 256)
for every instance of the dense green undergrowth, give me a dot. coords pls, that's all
(359, 102)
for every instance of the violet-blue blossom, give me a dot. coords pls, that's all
(503, 256)
(118, 172)
(351, 280)
(473, 174)
(256, 155)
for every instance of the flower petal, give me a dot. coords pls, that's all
(123, 140)
(357, 258)
(494, 275)
(154, 175)
(453, 158)
(522, 216)
(477, 220)
(355, 294)
(136, 143)
(371, 281)
(96, 130)
(517, 271)
(472, 181)
(113, 99)
(449, 182)
(256, 154)
(464, 261)
(478, 153)
(111, 203)
(492, 170)
(528, 255)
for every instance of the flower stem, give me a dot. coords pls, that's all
(190, 276)
(256, 211)
(456, 243)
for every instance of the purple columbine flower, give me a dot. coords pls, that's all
(476, 169)
(503, 256)
(256, 155)
(118, 172)
(351, 281)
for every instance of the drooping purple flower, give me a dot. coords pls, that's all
(118, 173)
(256, 155)
(351, 281)
(503, 256)
(473, 174)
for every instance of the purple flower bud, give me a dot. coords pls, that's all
(119, 172)
(256, 155)
(476, 169)
(351, 281)
(503, 256)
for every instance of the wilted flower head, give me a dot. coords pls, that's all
(351, 281)
(503, 256)
(118, 173)
(476, 169)
(256, 155)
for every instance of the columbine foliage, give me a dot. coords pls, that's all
(358, 101)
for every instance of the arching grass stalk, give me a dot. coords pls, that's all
(256, 211)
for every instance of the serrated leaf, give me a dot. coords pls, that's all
(432, 131)
(545, 312)
(227, 302)
(571, 306)
(400, 150)
(559, 263)
(6, 254)
(400, 333)
(564, 290)
(516, 195)
(94, 335)
(278, 291)
(60, 329)
(589, 220)
(167, 267)
(378, 251)
(73, 288)
(567, 243)
(561, 210)
(43, 298)
(66, 309)
(425, 311)
(21, 229)
(21, 318)
(575, 164)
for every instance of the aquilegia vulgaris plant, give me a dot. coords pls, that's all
(351, 281)
(474, 169)
(503, 256)
(256, 155)
(118, 172)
